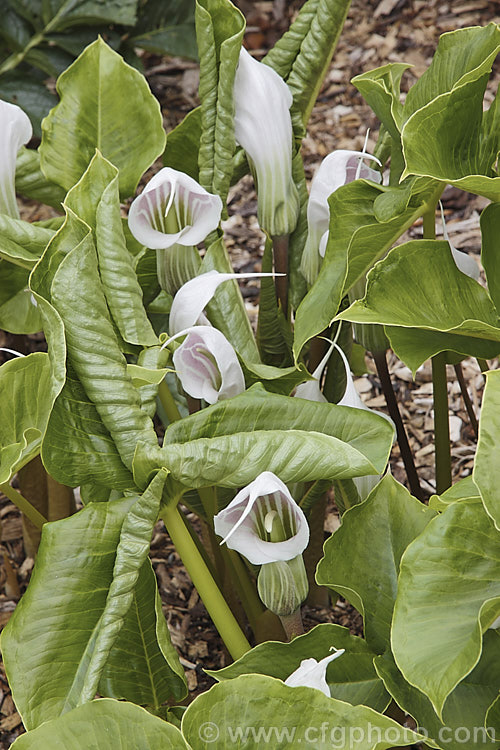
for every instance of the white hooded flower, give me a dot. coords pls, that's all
(207, 365)
(247, 523)
(263, 127)
(15, 131)
(336, 169)
(311, 390)
(463, 261)
(192, 298)
(312, 673)
(173, 209)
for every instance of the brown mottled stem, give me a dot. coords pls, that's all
(392, 405)
(465, 395)
(280, 253)
(292, 624)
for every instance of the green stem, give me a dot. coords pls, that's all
(468, 403)
(441, 423)
(210, 594)
(168, 402)
(483, 365)
(280, 253)
(24, 506)
(246, 590)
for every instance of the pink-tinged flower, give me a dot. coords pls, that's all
(207, 365)
(261, 511)
(193, 296)
(263, 127)
(15, 131)
(336, 169)
(312, 673)
(173, 209)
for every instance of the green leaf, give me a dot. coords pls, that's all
(256, 409)
(90, 726)
(255, 709)
(219, 32)
(418, 286)
(25, 397)
(22, 243)
(381, 90)
(93, 349)
(490, 226)
(485, 467)
(95, 199)
(18, 314)
(276, 379)
(32, 183)
(464, 709)
(304, 52)
(464, 489)
(63, 15)
(385, 523)
(447, 102)
(449, 589)
(272, 338)
(105, 104)
(357, 239)
(166, 27)
(61, 616)
(351, 678)
(30, 94)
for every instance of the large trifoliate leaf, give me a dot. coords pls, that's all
(385, 523)
(449, 593)
(253, 710)
(219, 32)
(95, 200)
(465, 710)
(92, 725)
(357, 239)
(351, 677)
(105, 104)
(83, 607)
(25, 395)
(418, 286)
(93, 349)
(304, 52)
(446, 135)
(486, 464)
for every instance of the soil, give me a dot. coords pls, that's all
(376, 32)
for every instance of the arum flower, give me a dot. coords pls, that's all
(336, 169)
(207, 365)
(192, 298)
(172, 215)
(463, 261)
(312, 673)
(311, 390)
(261, 511)
(15, 131)
(263, 127)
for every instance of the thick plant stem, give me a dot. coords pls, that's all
(222, 617)
(280, 253)
(168, 402)
(245, 588)
(392, 405)
(441, 423)
(24, 506)
(468, 403)
(292, 624)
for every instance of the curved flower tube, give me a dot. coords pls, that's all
(312, 673)
(173, 209)
(311, 390)
(193, 296)
(463, 261)
(249, 521)
(15, 131)
(207, 365)
(263, 127)
(336, 169)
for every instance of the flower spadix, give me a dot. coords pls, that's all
(312, 673)
(260, 513)
(207, 365)
(263, 127)
(15, 131)
(336, 169)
